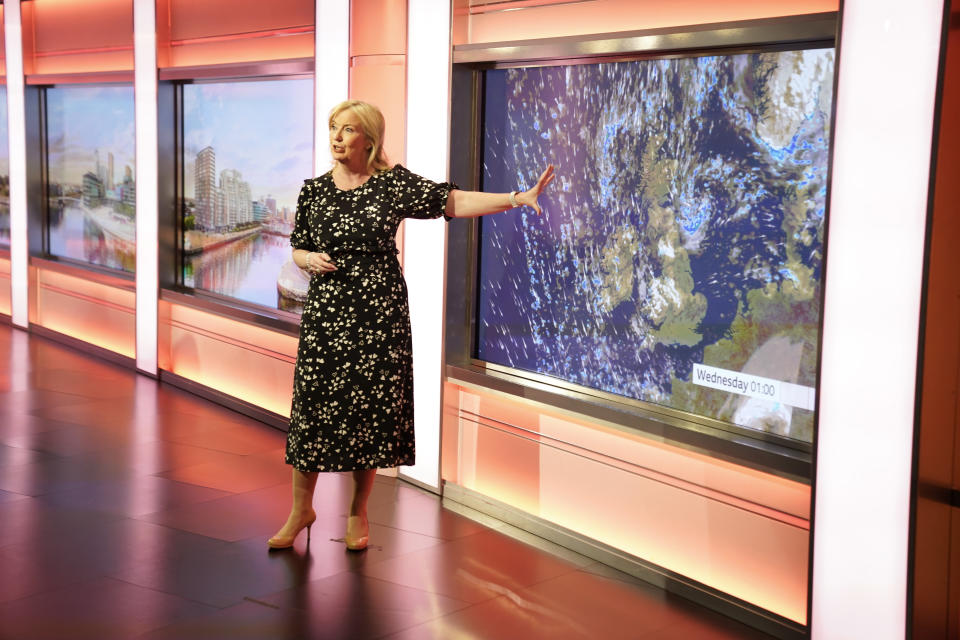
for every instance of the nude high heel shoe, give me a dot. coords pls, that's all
(285, 542)
(358, 533)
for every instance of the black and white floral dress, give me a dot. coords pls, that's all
(353, 383)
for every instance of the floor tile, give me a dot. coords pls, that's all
(159, 456)
(99, 610)
(474, 568)
(8, 496)
(242, 440)
(13, 456)
(575, 606)
(74, 439)
(411, 509)
(58, 475)
(134, 495)
(245, 621)
(351, 605)
(241, 474)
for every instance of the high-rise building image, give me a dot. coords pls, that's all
(109, 182)
(237, 201)
(93, 190)
(205, 187)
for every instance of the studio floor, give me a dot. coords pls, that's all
(132, 509)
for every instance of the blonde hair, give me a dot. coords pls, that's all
(371, 122)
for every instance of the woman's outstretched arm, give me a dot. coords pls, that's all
(470, 204)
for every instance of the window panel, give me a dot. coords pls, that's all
(91, 185)
(248, 147)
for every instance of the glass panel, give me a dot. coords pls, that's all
(4, 172)
(248, 147)
(91, 169)
(679, 257)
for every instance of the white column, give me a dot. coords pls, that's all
(889, 53)
(16, 130)
(424, 243)
(145, 97)
(332, 74)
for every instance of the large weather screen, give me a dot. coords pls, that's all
(678, 260)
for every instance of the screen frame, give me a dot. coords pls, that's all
(768, 452)
(171, 114)
(43, 252)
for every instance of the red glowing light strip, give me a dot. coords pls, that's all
(291, 31)
(513, 5)
(248, 346)
(80, 296)
(73, 52)
(646, 472)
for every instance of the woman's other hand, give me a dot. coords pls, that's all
(319, 262)
(529, 197)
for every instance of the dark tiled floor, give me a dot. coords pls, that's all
(130, 509)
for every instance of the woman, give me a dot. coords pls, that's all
(353, 386)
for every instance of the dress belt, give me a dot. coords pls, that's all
(363, 251)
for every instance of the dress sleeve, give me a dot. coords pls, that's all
(417, 197)
(301, 238)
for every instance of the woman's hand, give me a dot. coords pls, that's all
(319, 262)
(529, 197)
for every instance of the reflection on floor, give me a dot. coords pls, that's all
(130, 509)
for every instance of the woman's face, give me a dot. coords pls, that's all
(348, 143)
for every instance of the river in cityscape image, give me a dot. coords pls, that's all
(94, 235)
(244, 269)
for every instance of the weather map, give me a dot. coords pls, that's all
(678, 260)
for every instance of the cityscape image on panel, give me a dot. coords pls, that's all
(678, 260)
(248, 147)
(92, 175)
(4, 172)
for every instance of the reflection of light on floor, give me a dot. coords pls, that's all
(538, 616)
(145, 428)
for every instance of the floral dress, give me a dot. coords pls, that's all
(353, 382)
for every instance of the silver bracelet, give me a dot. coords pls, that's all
(513, 199)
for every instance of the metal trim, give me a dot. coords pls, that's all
(272, 319)
(791, 29)
(659, 412)
(93, 77)
(740, 450)
(95, 273)
(237, 70)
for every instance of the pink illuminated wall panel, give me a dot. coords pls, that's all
(95, 312)
(378, 70)
(64, 36)
(736, 529)
(476, 21)
(191, 33)
(242, 360)
(5, 285)
(3, 47)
